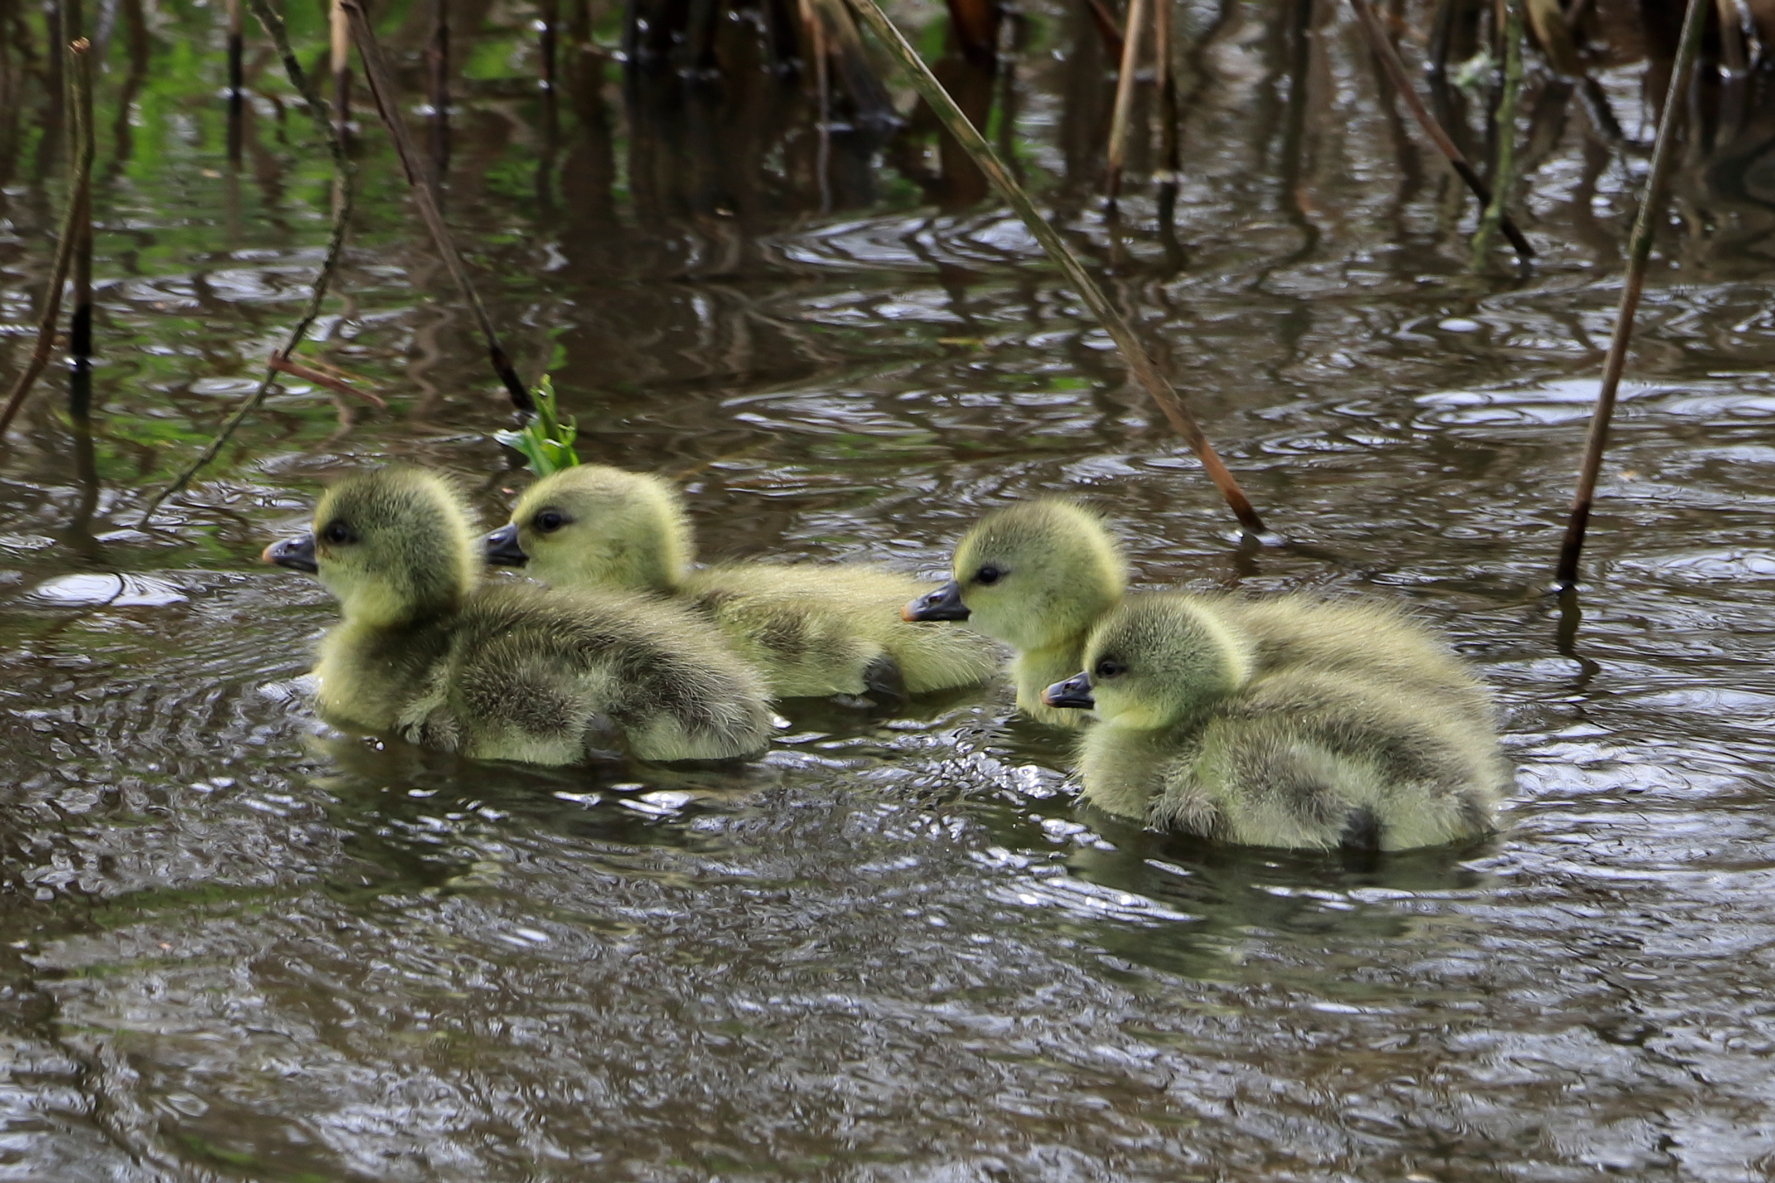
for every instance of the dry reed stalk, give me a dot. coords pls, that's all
(79, 70)
(382, 92)
(1133, 352)
(1383, 49)
(1124, 104)
(1639, 254)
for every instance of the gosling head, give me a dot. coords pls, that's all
(596, 526)
(394, 546)
(1155, 661)
(1034, 575)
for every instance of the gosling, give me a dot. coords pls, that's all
(510, 672)
(1037, 576)
(1194, 735)
(813, 630)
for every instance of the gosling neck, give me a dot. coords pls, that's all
(1034, 670)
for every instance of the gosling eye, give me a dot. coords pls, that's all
(988, 575)
(549, 520)
(337, 533)
(1109, 668)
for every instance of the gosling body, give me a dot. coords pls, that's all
(1210, 725)
(428, 652)
(1037, 576)
(813, 630)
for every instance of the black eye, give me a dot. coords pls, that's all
(549, 520)
(1108, 668)
(337, 533)
(988, 575)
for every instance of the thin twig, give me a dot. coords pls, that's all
(79, 198)
(1389, 59)
(987, 161)
(296, 369)
(383, 92)
(345, 192)
(1639, 253)
(1504, 168)
(1132, 28)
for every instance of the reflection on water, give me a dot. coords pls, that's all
(237, 944)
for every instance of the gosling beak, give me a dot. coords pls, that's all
(502, 549)
(295, 553)
(1074, 692)
(942, 604)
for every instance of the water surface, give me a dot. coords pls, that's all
(237, 944)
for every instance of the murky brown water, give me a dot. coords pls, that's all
(235, 944)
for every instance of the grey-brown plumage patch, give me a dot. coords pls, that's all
(1362, 830)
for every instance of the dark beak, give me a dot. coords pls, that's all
(942, 604)
(295, 553)
(502, 549)
(1075, 692)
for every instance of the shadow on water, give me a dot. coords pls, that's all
(235, 943)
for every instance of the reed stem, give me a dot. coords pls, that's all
(78, 69)
(80, 312)
(1504, 166)
(1639, 253)
(1165, 80)
(1124, 104)
(1135, 354)
(1389, 59)
(382, 92)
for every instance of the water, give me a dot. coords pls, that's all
(237, 944)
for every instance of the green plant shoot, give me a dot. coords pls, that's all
(546, 440)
